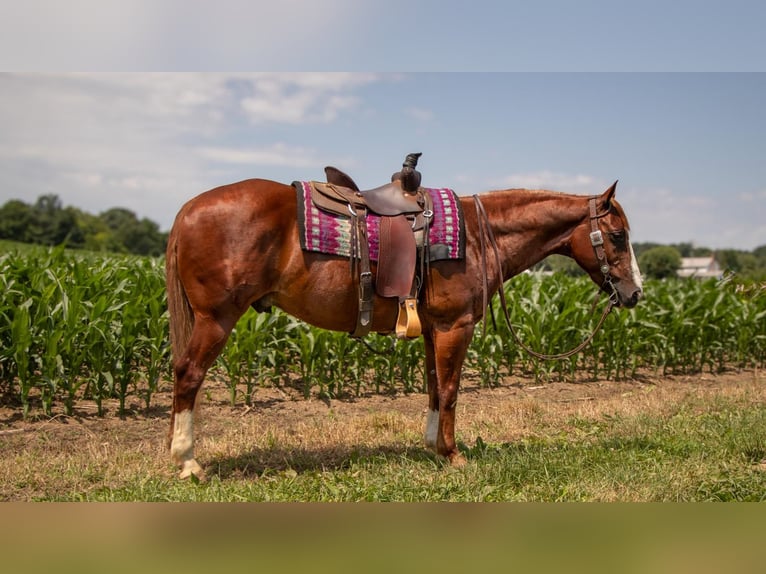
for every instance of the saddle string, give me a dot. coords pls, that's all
(486, 302)
(485, 231)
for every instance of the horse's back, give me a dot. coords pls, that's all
(235, 201)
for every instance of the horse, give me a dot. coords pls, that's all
(237, 246)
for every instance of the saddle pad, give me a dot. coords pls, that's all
(331, 234)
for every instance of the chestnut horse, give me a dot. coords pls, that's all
(237, 246)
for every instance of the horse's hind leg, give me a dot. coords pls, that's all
(207, 339)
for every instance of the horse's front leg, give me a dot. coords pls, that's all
(432, 418)
(448, 353)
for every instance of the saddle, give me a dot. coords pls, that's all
(405, 214)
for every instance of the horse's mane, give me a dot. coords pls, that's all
(614, 203)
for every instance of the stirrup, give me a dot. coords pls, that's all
(408, 322)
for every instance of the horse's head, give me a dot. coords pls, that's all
(601, 246)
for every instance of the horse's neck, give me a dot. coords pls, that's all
(530, 225)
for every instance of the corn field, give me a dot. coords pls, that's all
(84, 326)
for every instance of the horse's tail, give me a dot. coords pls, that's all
(179, 310)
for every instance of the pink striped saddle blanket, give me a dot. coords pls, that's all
(331, 234)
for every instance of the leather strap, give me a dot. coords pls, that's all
(596, 238)
(361, 257)
(597, 241)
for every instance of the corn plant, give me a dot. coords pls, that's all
(73, 324)
(85, 326)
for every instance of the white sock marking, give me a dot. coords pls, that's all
(432, 428)
(182, 447)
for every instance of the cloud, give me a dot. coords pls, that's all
(278, 154)
(302, 98)
(751, 197)
(112, 107)
(553, 181)
(664, 215)
(148, 141)
(86, 118)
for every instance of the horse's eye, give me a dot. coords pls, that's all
(618, 237)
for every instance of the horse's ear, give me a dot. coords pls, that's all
(606, 197)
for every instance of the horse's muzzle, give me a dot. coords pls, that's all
(631, 300)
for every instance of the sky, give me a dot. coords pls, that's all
(672, 107)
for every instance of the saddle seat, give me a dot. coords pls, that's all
(387, 200)
(391, 199)
(402, 196)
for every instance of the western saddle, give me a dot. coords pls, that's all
(405, 212)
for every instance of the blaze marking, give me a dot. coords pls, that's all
(635, 271)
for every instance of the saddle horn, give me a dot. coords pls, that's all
(409, 176)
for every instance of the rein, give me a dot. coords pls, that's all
(597, 240)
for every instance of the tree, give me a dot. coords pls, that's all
(92, 233)
(660, 262)
(737, 261)
(131, 235)
(760, 257)
(50, 224)
(145, 238)
(15, 219)
(690, 250)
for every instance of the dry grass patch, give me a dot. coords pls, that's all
(560, 441)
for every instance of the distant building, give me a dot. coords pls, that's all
(699, 267)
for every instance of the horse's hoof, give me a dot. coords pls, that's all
(190, 468)
(457, 460)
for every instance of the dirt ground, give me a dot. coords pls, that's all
(501, 413)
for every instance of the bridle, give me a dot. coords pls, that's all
(597, 241)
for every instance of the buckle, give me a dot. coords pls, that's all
(596, 238)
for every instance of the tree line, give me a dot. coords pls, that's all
(660, 261)
(48, 222)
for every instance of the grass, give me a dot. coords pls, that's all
(680, 442)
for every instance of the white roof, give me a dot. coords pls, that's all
(696, 262)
